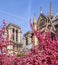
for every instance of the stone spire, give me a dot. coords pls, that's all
(35, 28)
(41, 10)
(34, 19)
(50, 13)
(34, 22)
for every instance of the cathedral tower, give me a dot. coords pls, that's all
(35, 28)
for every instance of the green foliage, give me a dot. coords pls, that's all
(21, 55)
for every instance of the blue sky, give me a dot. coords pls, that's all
(20, 11)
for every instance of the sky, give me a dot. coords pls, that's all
(19, 12)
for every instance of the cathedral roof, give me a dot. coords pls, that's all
(29, 32)
(11, 24)
(41, 16)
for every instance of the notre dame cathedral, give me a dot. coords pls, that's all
(44, 23)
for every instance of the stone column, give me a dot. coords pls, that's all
(10, 33)
(35, 40)
(10, 47)
(19, 37)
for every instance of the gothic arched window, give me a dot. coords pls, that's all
(13, 33)
(42, 22)
(16, 35)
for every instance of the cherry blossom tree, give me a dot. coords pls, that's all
(45, 53)
(4, 42)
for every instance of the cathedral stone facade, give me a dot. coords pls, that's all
(45, 24)
(27, 38)
(15, 35)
